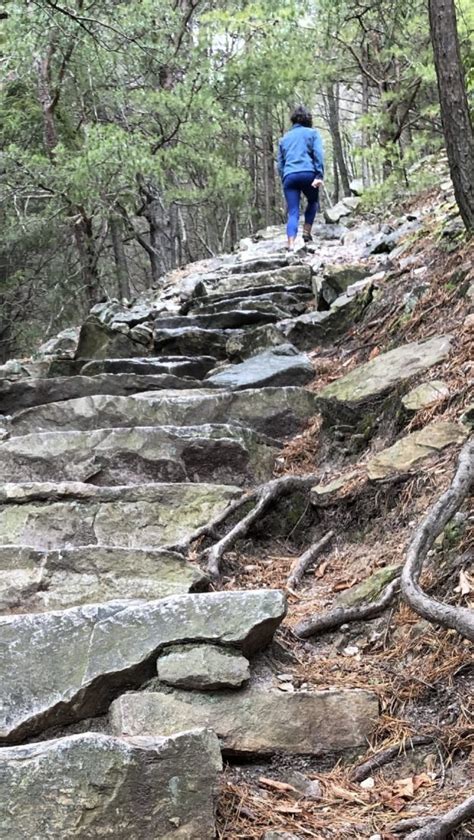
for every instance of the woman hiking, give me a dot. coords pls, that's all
(301, 168)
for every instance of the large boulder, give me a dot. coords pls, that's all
(83, 514)
(358, 396)
(254, 721)
(98, 341)
(34, 580)
(141, 454)
(91, 786)
(274, 411)
(26, 393)
(281, 365)
(63, 666)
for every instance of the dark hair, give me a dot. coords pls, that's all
(302, 116)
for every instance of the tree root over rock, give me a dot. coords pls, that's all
(343, 615)
(457, 618)
(263, 496)
(440, 827)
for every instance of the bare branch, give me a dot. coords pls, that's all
(441, 827)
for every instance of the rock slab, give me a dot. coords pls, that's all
(204, 667)
(282, 365)
(91, 786)
(254, 721)
(62, 666)
(32, 580)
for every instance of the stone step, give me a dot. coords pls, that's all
(277, 412)
(281, 304)
(71, 514)
(254, 721)
(67, 665)
(281, 365)
(34, 580)
(190, 340)
(195, 367)
(263, 263)
(93, 785)
(299, 291)
(220, 452)
(287, 276)
(227, 320)
(26, 393)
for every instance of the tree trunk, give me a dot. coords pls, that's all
(457, 125)
(86, 246)
(119, 254)
(334, 127)
(268, 167)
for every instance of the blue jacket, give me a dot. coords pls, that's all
(301, 150)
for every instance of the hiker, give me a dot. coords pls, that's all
(301, 168)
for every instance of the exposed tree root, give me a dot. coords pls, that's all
(264, 496)
(300, 565)
(343, 615)
(386, 756)
(457, 618)
(440, 827)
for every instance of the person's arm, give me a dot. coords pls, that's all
(281, 159)
(317, 153)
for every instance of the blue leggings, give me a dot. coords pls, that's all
(294, 184)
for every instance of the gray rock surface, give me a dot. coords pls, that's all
(275, 411)
(120, 456)
(243, 345)
(195, 367)
(254, 721)
(26, 393)
(91, 786)
(281, 365)
(425, 394)
(141, 516)
(63, 666)
(306, 331)
(34, 580)
(286, 276)
(190, 340)
(203, 667)
(98, 341)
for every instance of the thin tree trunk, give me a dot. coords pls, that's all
(365, 111)
(334, 127)
(121, 266)
(455, 116)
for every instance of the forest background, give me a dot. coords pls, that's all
(138, 136)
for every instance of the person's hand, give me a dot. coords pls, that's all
(317, 182)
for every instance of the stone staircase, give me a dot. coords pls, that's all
(168, 410)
